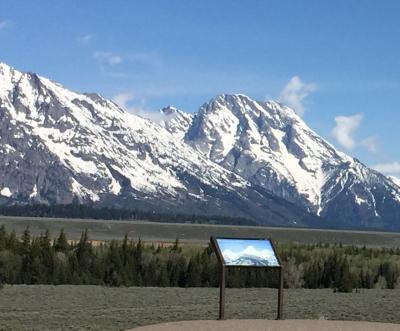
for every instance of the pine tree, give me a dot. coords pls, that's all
(12, 242)
(61, 244)
(345, 282)
(194, 272)
(3, 237)
(26, 241)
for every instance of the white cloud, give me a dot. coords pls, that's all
(295, 92)
(86, 39)
(107, 57)
(345, 128)
(5, 24)
(391, 168)
(370, 143)
(123, 99)
(150, 58)
(137, 106)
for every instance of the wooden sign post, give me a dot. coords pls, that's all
(246, 252)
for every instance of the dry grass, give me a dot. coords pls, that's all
(43, 307)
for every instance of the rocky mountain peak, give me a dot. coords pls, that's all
(176, 121)
(235, 156)
(268, 144)
(5, 68)
(170, 110)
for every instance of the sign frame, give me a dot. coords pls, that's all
(224, 267)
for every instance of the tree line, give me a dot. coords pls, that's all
(40, 259)
(77, 210)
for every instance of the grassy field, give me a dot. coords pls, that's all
(194, 233)
(39, 307)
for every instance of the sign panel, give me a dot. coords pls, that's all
(247, 252)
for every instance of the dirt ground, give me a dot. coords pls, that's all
(268, 325)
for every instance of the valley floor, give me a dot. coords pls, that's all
(198, 234)
(44, 307)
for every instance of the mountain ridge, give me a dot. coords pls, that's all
(59, 146)
(235, 156)
(289, 159)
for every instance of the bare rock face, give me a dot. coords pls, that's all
(235, 157)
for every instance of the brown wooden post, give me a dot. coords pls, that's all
(280, 295)
(222, 294)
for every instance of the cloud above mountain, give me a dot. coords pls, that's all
(391, 168)
(134, 105)
(345, 129)
(370, 143)
(107, 58)
(295, 92)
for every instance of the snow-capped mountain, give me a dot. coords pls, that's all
(268, 144)
(235, 157)
(57, 146)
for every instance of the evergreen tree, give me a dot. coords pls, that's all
(3, 237)
(194, 272)
(61, 244)
(345, 282)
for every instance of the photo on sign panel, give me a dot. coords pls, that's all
(247, 252)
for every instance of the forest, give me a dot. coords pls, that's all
(43, 260)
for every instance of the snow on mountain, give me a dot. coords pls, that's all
(268, 144)
(58, 146)
(176, 121)
(235, 156)
(395, 180)
(5, 192)
(91, 136)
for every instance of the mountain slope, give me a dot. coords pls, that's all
(235, 157)
(269, 144)
(176, 121)
(395, 180)
(58, 146)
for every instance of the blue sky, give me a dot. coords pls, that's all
(336, 62)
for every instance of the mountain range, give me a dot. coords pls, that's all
(234, 157)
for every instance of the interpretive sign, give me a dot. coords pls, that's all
(246, 252)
